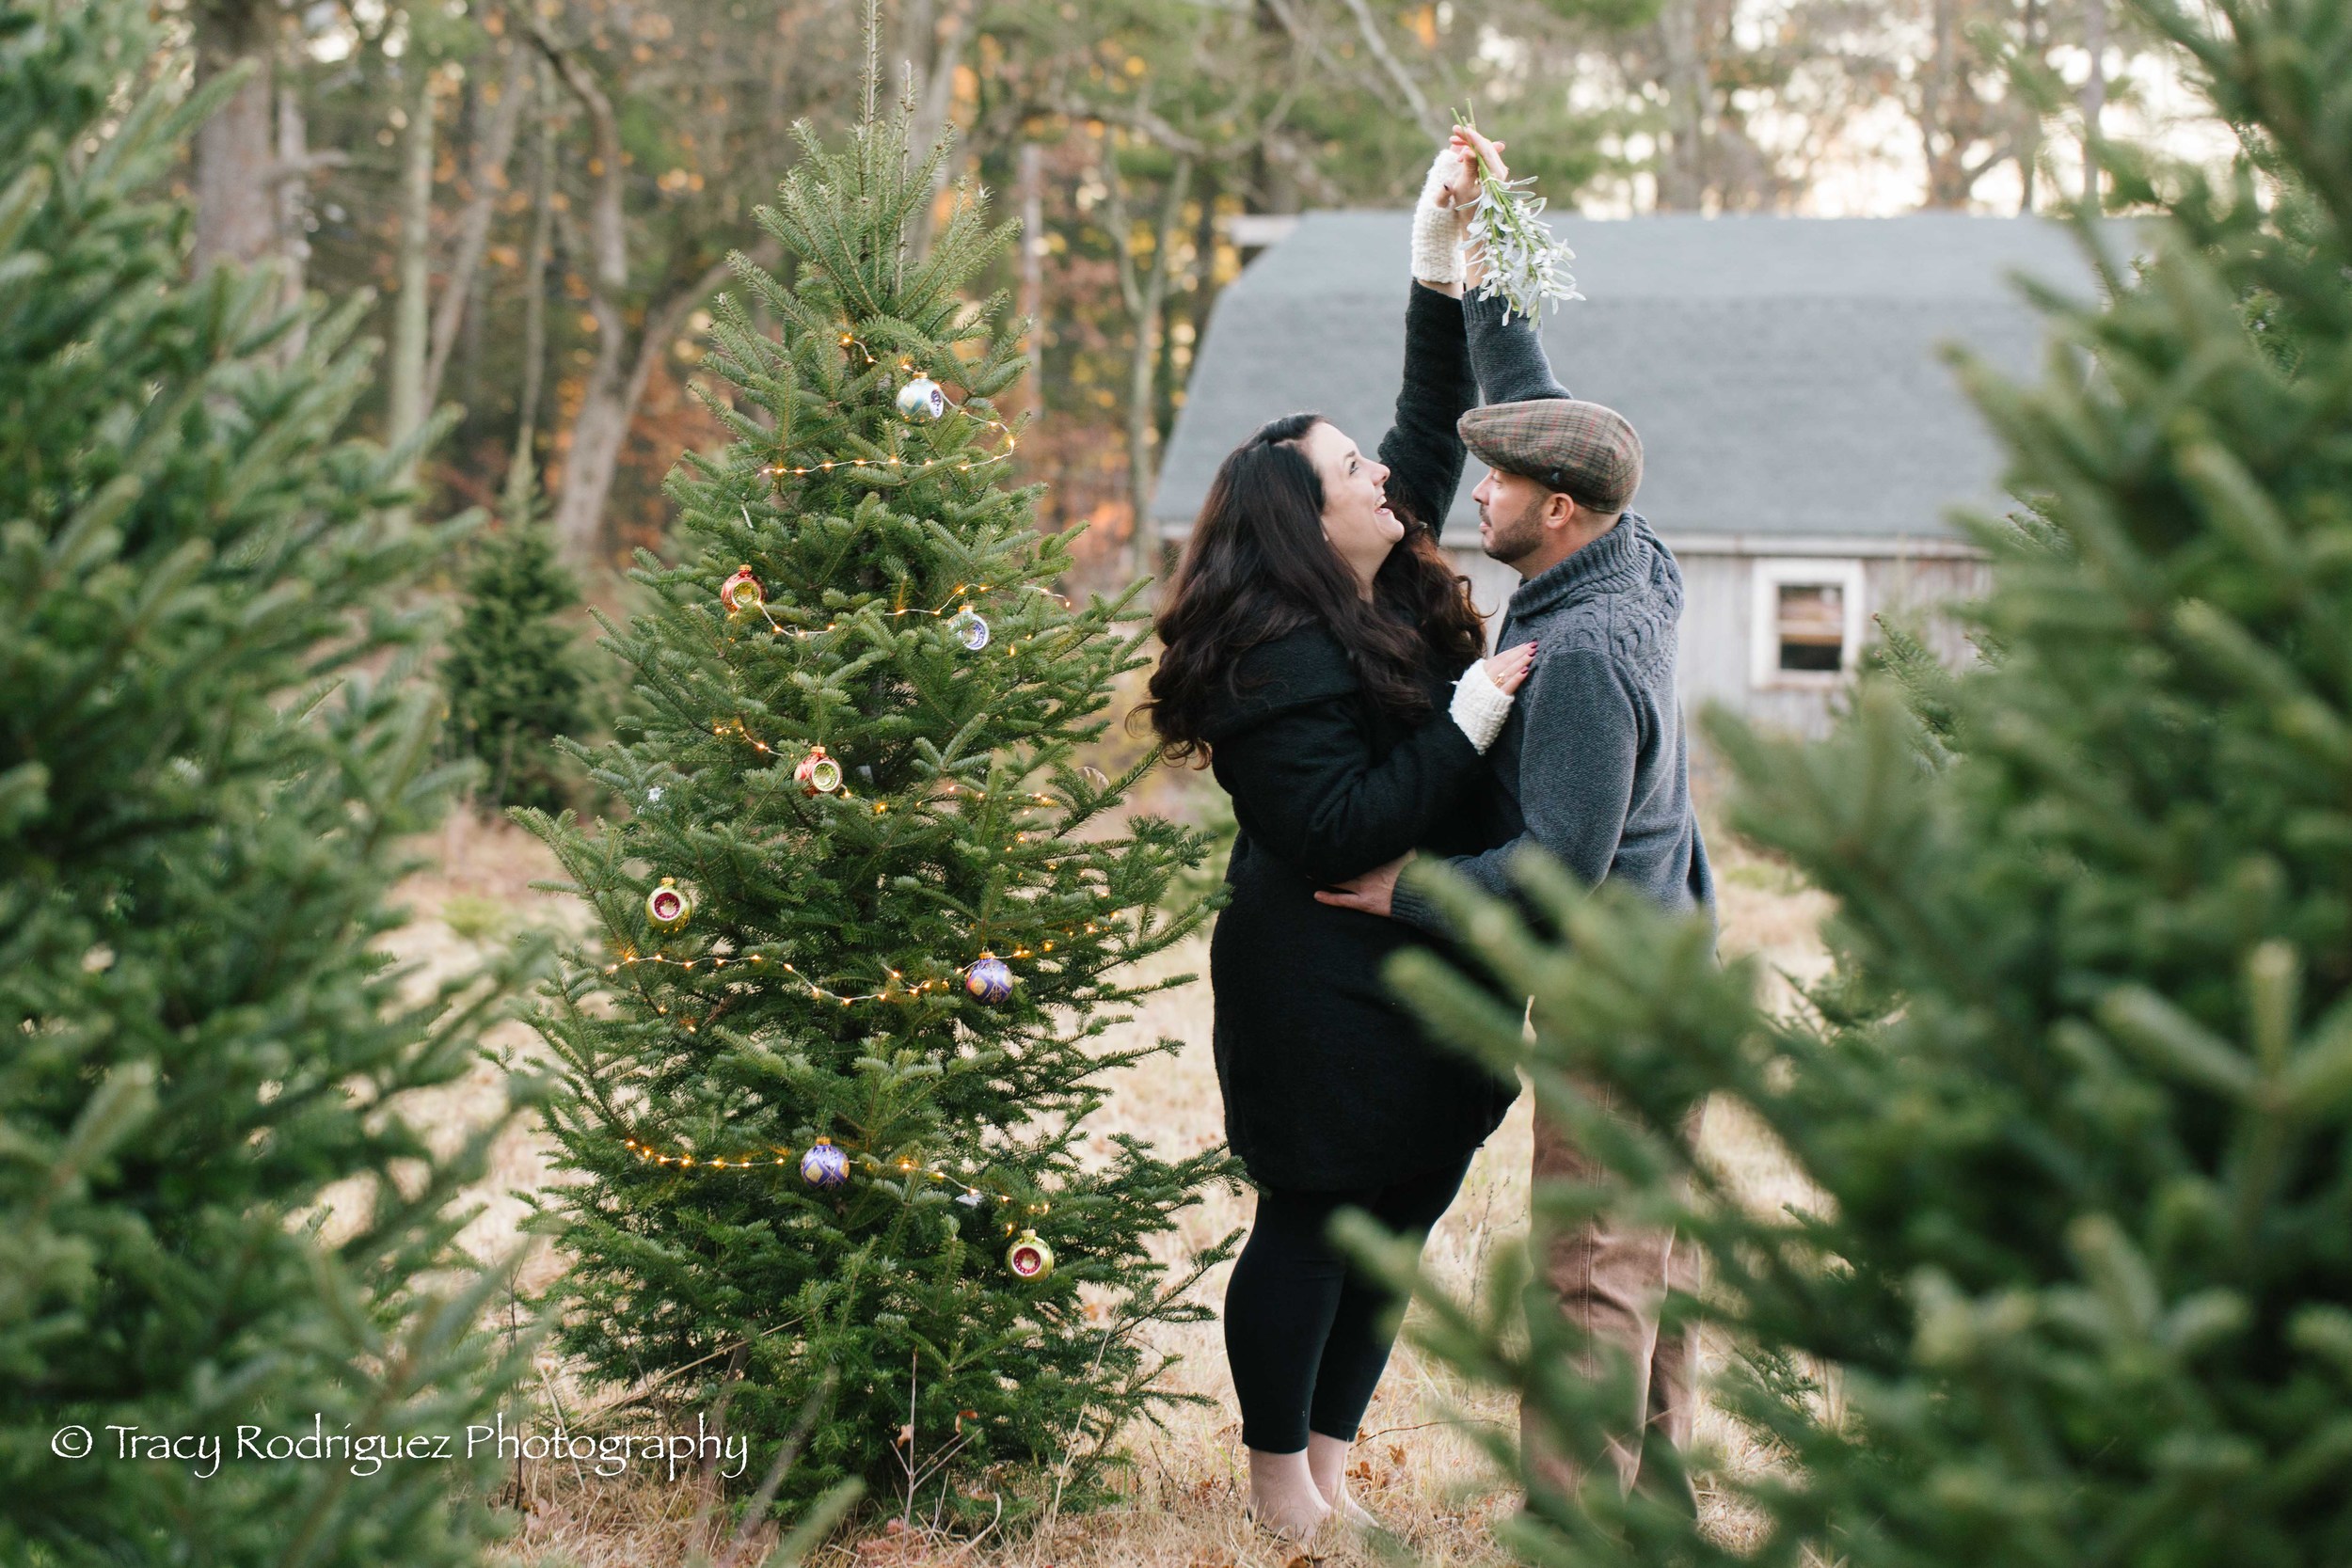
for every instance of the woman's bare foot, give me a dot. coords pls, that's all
(1326, 1462)
(1283, 1495)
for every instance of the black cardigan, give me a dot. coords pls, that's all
(1328, 1083)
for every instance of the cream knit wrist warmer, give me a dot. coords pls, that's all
(1478, 707)
(1438, 229)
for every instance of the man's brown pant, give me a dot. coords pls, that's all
(1611, 1280)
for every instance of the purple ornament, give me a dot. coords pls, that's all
(989, 979)
(824, 1166)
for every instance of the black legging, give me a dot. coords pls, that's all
(1302, 1325)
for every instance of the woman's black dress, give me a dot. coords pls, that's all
(1328, 1080)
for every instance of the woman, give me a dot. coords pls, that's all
(1320, 655)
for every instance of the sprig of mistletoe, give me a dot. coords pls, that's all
(1523, 263)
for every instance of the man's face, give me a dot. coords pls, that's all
(1510, 515)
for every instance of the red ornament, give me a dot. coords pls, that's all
(740, 593)
(817, 773)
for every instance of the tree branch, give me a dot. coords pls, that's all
(1366, 24)
(491, 157)
(1120, 226)
(663, 319)
(607, 240)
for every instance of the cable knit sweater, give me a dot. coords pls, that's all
(1591, 764)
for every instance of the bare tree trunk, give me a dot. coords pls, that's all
(2096, 43)
(1943, 88)
(1146, 297)
(1682, 172)
(235, 210)
(616, 379)
(294, 206)
(2029, 113)
(522, 470)
(1033, 265)
(930, 61)
(1205, 288)
(495, 151)
(2094, 89)
(602, 422)
(616, 385)
(1274, 179)
(414, 271)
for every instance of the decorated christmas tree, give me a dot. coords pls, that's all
(865, 922)
(203, 800)
(2071, 1284)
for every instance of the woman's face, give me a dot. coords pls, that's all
(1356, 514)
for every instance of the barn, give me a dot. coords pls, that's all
(1805, 439)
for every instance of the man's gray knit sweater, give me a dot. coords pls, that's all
(1591, 764)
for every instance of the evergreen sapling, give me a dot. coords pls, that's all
(512, 675)
(201, 803)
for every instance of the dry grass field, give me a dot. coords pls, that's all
(1416, 1466)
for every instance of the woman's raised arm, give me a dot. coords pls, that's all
(1422, 452)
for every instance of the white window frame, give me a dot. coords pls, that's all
(1769, 576)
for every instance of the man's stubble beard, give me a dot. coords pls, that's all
(1515, 540)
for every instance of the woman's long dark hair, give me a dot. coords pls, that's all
(1258, 566)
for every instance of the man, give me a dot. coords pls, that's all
(1590, 768)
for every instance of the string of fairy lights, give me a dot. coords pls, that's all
(897, 990)
(825, 1165)
(974, 1193)
(920, 401)
(743, 595)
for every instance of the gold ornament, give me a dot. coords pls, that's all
(1029, 1258)
(669, 906)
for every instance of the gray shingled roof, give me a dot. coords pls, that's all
(1783, 372)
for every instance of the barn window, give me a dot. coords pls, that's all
(1806, 628)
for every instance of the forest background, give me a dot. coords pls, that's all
(542, 193)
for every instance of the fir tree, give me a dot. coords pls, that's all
(512, 676)
(200, 799)
(858, 757)
(2078, 1102)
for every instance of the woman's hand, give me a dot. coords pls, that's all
(1508, 668)
(1468, 147)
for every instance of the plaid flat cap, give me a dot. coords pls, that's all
(1583, 447)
